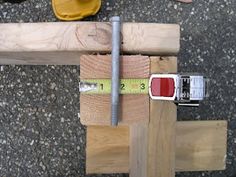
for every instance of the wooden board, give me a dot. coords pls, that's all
(161, 127)
(139, 132)
(200, 146)
(40, 43)
(161, 139)
(95, 109)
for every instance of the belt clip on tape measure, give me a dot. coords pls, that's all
(184, 90)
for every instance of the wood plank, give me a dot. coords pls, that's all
(161, 128)
(107, 145)
(161, 139)
(139, 132)
(39, 43)
(96, 109)
(200, 151)
(200, 146)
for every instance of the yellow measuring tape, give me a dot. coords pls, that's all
(103, 86)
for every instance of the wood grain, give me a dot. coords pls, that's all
(139, 132)
(138, 149)
(200, 146)
(40, 58)
(161, 128)
(167, 64)
(99, 66)
(161, 139)
(96, 109)
(41, 41)
(107, 147)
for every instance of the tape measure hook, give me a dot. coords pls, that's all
(87, 86)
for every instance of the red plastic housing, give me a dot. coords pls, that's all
(163, 87)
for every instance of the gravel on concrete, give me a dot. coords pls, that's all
(40, 131)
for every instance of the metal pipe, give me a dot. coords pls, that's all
(115, 79)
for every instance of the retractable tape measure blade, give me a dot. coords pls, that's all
(103, 86)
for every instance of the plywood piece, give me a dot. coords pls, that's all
(96, 109)
(200, 146)
(107, 147)
(34, 43)
(99, 66)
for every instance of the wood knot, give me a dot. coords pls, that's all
(101, 36)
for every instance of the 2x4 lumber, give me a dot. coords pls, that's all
(200, 146)
(139, 131)
(95, 109)
(161, 139)
(161, 130)
(42, 43)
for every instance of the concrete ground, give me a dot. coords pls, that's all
(40, 132)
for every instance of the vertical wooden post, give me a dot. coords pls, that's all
(161, 128)
(152, 143)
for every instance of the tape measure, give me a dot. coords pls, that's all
(184, 90)
(103, 86)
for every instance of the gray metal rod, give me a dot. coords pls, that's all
(115, 79)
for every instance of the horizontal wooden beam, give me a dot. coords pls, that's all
(43, 43)
(161, 128)
(200, 146)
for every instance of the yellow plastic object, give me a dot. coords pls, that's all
(75, 9)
